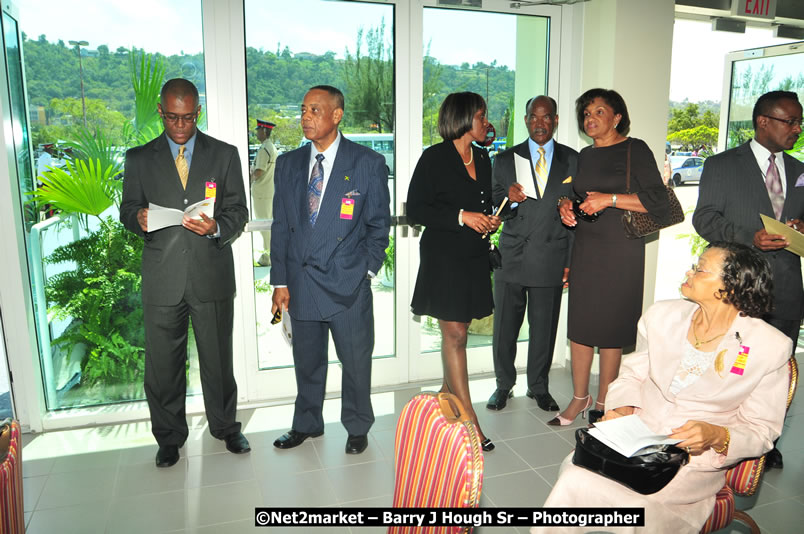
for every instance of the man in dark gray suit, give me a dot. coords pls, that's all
(330, 231)
(187, 270)
(758, 177)
(535, 250)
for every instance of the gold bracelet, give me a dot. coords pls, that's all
(722, 449)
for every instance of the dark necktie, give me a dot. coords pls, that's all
(314, 188)
(774, 184)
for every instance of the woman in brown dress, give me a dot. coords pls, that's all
(606, 268)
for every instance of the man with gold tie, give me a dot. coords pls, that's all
(535, 250)
(187, 270)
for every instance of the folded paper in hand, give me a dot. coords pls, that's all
(287, 330)
(161, 217)
(524, 176)
(629, 436)
(795, 238)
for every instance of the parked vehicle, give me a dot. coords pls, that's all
(686, 169)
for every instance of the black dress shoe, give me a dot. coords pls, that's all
(237, 443)
(294, 439)
(545, 401)
(167, 455)
(499, 399)
(356, 444)
(774, 459)
(487, 445)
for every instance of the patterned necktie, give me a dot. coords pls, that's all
(774, 184)
(314, 188)
(541, 172)
(182, 168)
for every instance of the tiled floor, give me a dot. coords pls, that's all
(104, 480)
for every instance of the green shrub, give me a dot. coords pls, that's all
(102, 297)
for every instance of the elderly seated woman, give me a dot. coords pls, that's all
(708, 371)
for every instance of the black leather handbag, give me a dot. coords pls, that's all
(645, 474)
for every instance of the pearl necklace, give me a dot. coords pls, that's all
(471, 157)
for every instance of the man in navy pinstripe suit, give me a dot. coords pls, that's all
(735, 188)
(330, 231)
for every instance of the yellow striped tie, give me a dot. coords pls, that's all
(181, 166)
(541, 172)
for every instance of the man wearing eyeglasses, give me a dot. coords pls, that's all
(758, 177)
(187, 269)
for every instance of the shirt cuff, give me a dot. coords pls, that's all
(217, 233)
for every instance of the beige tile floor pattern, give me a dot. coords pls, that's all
(103, 479)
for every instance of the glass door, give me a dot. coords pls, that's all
(356, 54)
(457, 57)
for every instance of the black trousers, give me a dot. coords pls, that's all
(166, 332)
(543, 306)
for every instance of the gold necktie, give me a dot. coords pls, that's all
(181, 166)
(541, 172)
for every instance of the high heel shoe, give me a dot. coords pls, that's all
(487, 445)
(559, 420)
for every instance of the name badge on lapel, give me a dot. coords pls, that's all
(211, 189)
(739, 364)
(347, 208)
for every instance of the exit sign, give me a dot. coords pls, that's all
(758, 9)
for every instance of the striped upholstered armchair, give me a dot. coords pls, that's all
(744, 478)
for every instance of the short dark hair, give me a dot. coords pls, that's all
(765, 103)
(612, 98)
(550, 98)
(747, 279)
(179, 88)
(334, 92)
(457, 112)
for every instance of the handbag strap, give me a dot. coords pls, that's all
(628, 168)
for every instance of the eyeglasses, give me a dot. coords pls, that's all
(172, 118)
(696, 269)
(790, 122)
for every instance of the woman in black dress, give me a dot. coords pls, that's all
(450, 193)
(606, 268)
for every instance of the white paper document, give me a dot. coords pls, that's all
(524, 175)
(287, 330)
(161, 217)
(629, 436)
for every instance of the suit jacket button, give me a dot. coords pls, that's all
(185, 202)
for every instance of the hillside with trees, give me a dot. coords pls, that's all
(277, 81)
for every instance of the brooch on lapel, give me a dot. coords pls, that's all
(719, 362)
(345, 178)
(353, 193)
